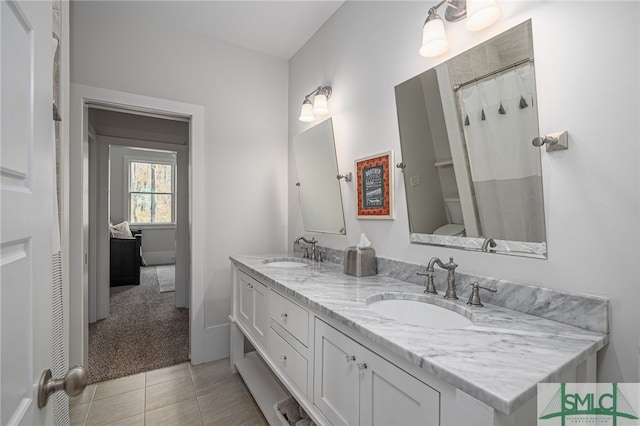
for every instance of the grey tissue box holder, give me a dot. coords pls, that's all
(360, 262)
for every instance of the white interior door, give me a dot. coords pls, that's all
(26, 207)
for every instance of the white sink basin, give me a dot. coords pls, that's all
(285, 263)
(420, 313)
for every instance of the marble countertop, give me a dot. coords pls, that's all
(499, 360)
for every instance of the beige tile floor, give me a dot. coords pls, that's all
(206, 394)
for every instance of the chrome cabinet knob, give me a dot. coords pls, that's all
(362, 366)
(73, 384)
(351, 358)
(284, 316)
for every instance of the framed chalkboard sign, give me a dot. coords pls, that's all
(375, 186)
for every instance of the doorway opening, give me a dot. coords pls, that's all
(138, 309)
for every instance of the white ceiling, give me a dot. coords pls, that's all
(277, 28)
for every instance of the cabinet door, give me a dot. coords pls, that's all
(391, 396)
(260, 315)
(335, 382)
(245, 299)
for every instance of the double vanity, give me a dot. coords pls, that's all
(378, 350)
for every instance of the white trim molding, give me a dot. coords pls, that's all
(81, 98)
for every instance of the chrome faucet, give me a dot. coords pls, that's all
(486, 243)
(315, 253)
(451, 278)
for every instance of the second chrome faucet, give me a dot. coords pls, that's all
(451, 277)
(315, 253)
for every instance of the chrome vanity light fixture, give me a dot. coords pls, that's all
(479, 13)
(320, 105)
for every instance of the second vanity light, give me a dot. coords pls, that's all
(320, 105)
(479, 13)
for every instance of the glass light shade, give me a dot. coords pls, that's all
(434, 37)
(481, 14)
(320, 105)
(306, 113)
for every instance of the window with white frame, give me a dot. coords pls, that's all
(151, 192)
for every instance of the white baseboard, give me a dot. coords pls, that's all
(159, 257)
(216, 342)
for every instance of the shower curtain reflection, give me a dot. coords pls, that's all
(499, 122)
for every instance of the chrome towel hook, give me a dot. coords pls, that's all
(554, 141)
(347, 177)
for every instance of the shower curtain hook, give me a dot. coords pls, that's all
(523, 102)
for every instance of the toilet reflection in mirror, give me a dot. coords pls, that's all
(471, 172)
(455, 222)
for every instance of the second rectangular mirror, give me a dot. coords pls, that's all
(472, 177)
(319, 187)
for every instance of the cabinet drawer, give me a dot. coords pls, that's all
(291, 317)
(287, 358)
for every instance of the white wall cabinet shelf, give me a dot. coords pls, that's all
(264, 386)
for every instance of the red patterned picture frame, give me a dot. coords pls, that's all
(374, 180)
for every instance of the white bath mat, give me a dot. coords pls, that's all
(166, 278)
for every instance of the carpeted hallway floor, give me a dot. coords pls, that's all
(145, 331)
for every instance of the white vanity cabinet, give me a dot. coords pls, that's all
(353, 385)
(252, 306)
(337, 371)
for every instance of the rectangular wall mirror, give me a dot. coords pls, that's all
(319, 187)
(472, 177)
